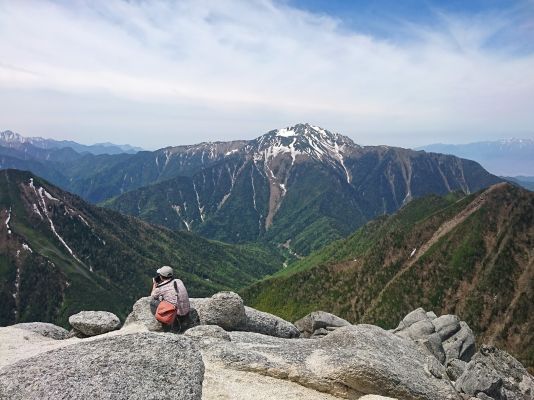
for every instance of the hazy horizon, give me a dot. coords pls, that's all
(89, 143)
(182, 72)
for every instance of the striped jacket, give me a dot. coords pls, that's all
(167, 291)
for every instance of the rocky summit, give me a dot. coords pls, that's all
(231, 351)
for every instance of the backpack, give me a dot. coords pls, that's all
(182, 298)
(166, 312)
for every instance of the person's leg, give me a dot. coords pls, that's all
(185, 322)
(154, 303)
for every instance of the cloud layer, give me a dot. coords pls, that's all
(160, 73)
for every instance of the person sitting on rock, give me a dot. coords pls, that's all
(165, 287)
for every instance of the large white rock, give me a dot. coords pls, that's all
(141, 315)
(351, 361)
(92, 323)
(319, 320)
(225, 309)
(134, 366)
(268, 324)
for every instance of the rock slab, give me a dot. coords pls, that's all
(135, 366)
(268, 324)
(92, 323)
(349, 362)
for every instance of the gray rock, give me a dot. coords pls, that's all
(432, 344)
(461, 345)
(350, 362)
(420, 329)
(321, 332)
(76, 333)
(92, 323)
(44, 329)
(415, 316)
(332, 328)
(455, 368)
(483, 396)
(142, 315)
(136, 366)
(268, 324)
(431, 315)
(479, 377)
(446, 325)
(211, 331)
(317, 320)
(435, 368)
(224, 309)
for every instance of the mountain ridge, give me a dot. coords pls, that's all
(291, 183)
(72, 255)
(11, 139)
(466, 255)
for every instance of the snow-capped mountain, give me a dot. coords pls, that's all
(14, 140)
(506, 157)
(298, 186)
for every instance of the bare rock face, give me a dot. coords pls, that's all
(135, 366)
(268, 324)
(349, 362)
(92, 323)
(497, 375)
(461, 345)
(317, 322)
(445, 337)
(44, 329)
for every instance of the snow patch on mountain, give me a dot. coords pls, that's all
(42, 195)
(7, 222)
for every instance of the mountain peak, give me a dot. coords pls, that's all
(304, 129)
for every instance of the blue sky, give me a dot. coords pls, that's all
(154, 74)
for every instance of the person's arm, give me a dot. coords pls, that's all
(155, 292)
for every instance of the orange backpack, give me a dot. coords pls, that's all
(166, 312)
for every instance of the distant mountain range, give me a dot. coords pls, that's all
(466, 255)
(60, 255)
(509, 157)
(299, 187)
(14, 140)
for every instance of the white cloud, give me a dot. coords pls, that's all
(208, 66)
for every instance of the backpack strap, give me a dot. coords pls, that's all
(177, 292)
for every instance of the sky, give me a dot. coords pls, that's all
(161, 73)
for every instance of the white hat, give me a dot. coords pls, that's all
(165, 271)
